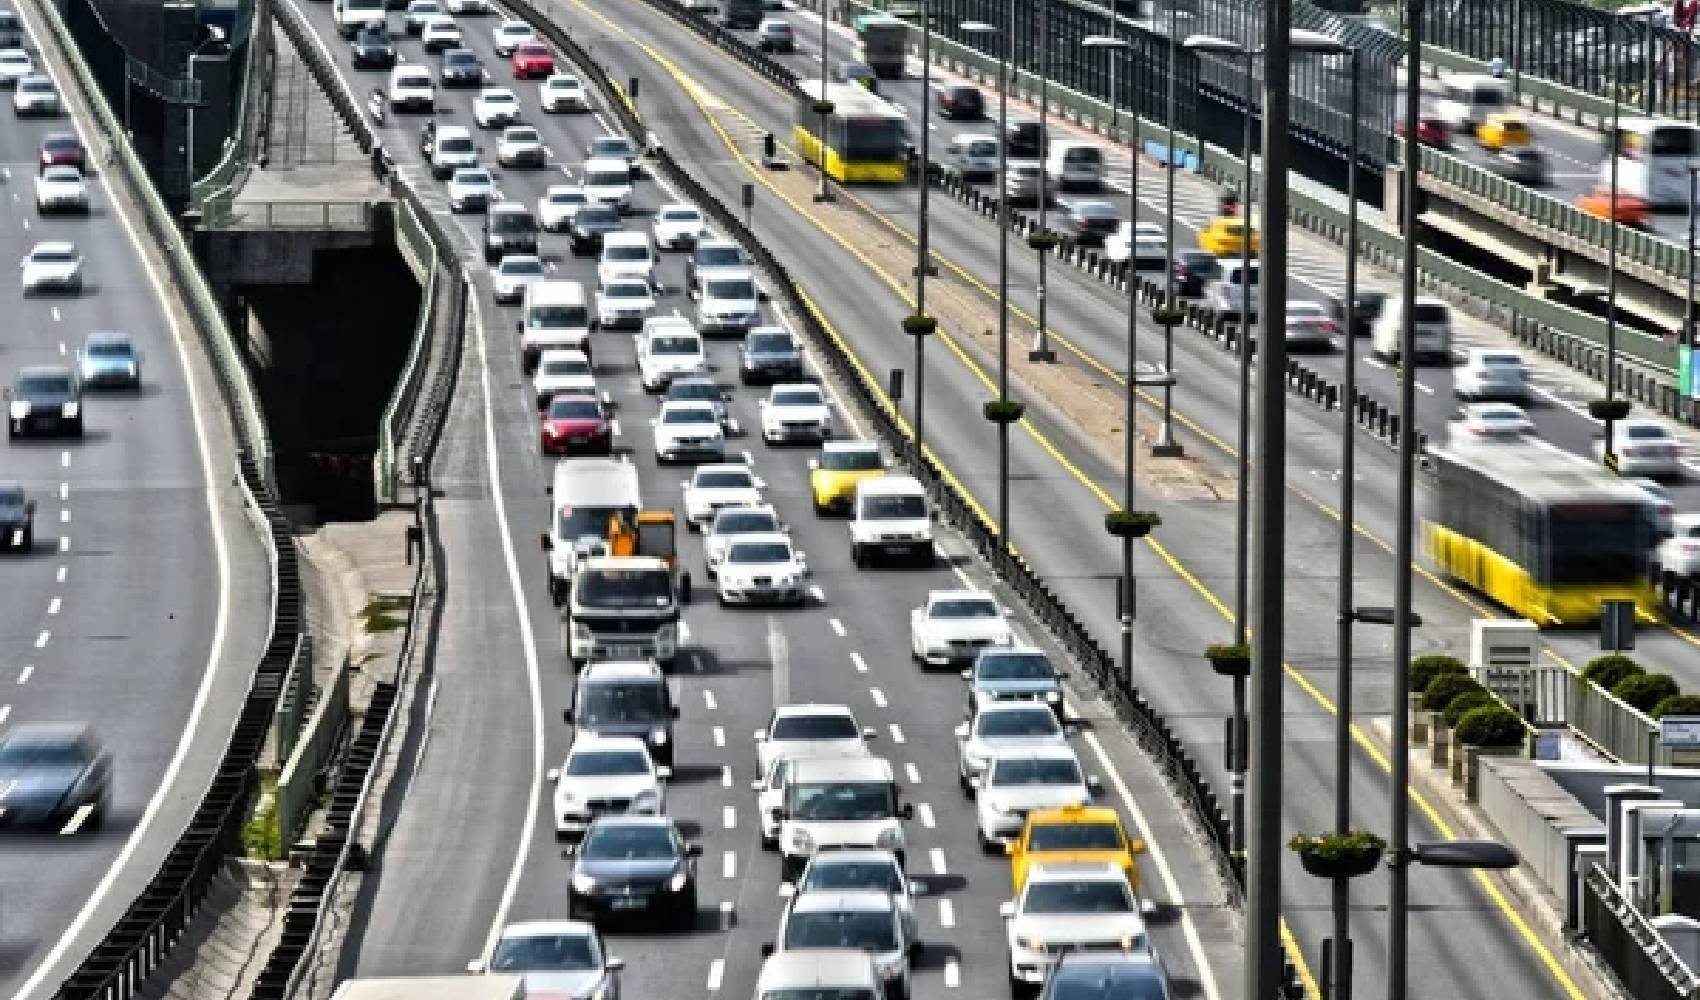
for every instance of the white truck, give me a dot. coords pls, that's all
(586, 495)
(469, 987)
(352, 15)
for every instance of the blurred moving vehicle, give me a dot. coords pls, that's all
(54, 776)
(1632, 210)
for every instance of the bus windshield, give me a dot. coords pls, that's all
(872, 139)
(1597, 542)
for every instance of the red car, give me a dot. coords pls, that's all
(1431, 131)
(533, 59)
(63, 149)
(576, 425)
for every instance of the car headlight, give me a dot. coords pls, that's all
(583, 883)
(667, 634)
(976, 762)
(889, 839)
(1029, 942)
(20, 409)
(1053, 696)
(802, 842)
(677, 882)
(70, 408)
(581, 632)
(658, 736)
(646, 801)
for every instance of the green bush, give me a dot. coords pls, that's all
(1491, 726)
(1677, 704)
(1643, 691)
(1426, 668)
(1446, 687)
(1608, 670)
(1463, 703)
(261, 837)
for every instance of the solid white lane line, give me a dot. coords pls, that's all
(952, 973)
(936, 856)
(729, 865)
(913, 773)
(925, 811)
(729, 817)
(860, 664)
(837, 627)
(897, 734)
(1154, 851)
(947, 914)
(716, 972)
(878, 696)
(708, 700)
(24, 674)
(54, 605)
(41, 640)
(719, 735)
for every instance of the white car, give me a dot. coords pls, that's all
(1664, 512)
(795, 411)
(853, 869)
(810, 730)
(1017, 781)
(495, 107)
(606, 774)
(557, 206)
(1680, 553)
(1310, 325)
(713, 487)
(418, 13)
(1146, 241)
(52, 267)
(15, 64)
(510, 35)
(732, 523)
(626, 255)
(556, 958)
(727, 302)
(867, 921)
(514, 274)
(624, 302)
(954, 625)
(440, 33)
(1644, 448)
(61, 189)
(667, 348)
(1492, 422)
(688, 431)
(411, 89)
(678, 226)
(762, 569)
(613, 147)
(1091, 907)
(562, 370)
(608, 181)
(1001, 726)
(562, 92)
(35, 96)
(1491, 374)
(471, 189)
(521, 146)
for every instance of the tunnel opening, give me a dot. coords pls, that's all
(333, 351)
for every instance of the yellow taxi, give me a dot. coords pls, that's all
(1078, 833)
(841, 465)
(1225, 236)
(1504, 131)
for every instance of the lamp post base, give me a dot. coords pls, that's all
(1170, 449)
(1042, 356)
(821, 196)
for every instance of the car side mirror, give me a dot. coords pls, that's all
(1006, 909)
(567, 716)
(1136, 847)
(519, 326)
(906, 811)
(814, 463)
(967, 675)
(962, 731)
(915, 949)
(475, 966)
(762, 296)
(1009, 850)
(761, 484)
(614, 963)
(870, 733)
(693, 850)
(933, 514)
(917, 887)
(684, 484)
(759, 736)
(546, 542)
(1094, 784)
(663, 772)
(976, 781)
(552, 775)
(766, 949)
(758, 785)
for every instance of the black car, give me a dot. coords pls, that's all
(46, 399)
(11, 30)
(590, 224)
(1370, 305)
(769, 354)
(1027, 141)
(626, 699)
(54, 776)
(1194, 270)
(461, 68)
(509, 228)
(17, 519)
(961, 102)
(634, 866)
(372, 47)
(1127, 975)
(1089, 223)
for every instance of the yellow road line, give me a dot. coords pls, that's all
(694, 88)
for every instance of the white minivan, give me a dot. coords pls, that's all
(411, 89)
(834, 802)
(554, 314)
(585, 494)
(1433, 330)
(1075, 166)
(891, 518)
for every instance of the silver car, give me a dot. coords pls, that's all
(109, 361)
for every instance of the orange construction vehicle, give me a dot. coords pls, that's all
(649, 533)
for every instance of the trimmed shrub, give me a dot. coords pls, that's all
(1464, 703)
(1643, 691)
(1677, 704)
(1608, 670)
(1446, 687)
(1492, 726)
(1426, 668)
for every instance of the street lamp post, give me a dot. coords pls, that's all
(984, 29)
(1686, 378)
(923, 256)
(823, 106)
(1041, 352)
(1166, 446)
(1614, 149)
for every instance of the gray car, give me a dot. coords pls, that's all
(1013, 674)
(45, 399)
(626, 699)
(17, 519)
(695, 388)
(54, 776)
(109, 361)
(769, 354)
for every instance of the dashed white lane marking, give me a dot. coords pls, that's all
(936, 856)
(897, 734)
(64, 543)
(5, 713)
(24, 674)
(63, 350)
(947, 914)
(53, 606)
(65, 516)
(78, 818)
(952, 974)
(837, 627)
(878, 696)
(719, 735)
(57, 318)
(708, 700)
(64, 460)
(729, 817)
(925, 811)
(818, 594)
(614, 425)
(729, 865)
(41, 640)
(716, 972)
(59, 574)
(725, 776)
(684, 632)
(913, 773)
(861, 664)
(64, 491)
(1425, 389)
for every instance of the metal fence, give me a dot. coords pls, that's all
(249, 137)
(293, 699)
(1644, 963)
(302, 777)
(223, 211)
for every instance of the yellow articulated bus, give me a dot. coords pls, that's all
(1542, 532)
(864, 140)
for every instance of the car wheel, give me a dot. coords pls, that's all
(27, 543)
(767, 843)
(857, 557)
(988, 845)
(76, 429)
(967, 789)
(685, 917)
(821, 509)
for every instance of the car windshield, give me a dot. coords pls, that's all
(513, 222)
(739, 522)
(675, 345)
(867, 930)
(1501, 360)
(829, 875)
(712, 256)
(688, 415)
(1431, 314)
(1108, 980)
(455, 144)
(564, 83)
(680, 215)
(625, 252)
(37, 86)
(456, 56)
(851, 460)
(23, 752)
(570, 408)
(1646, 432)
(809, 728)
(727, 479)
(769, 343)
(1075, 837)
(1018, 722)
(842, 800)
(963, 607)
(731, 288)
(983, 147)
(472, 178)
(566, 366)
(499, 97)
(523, 135)
(556, 317)
(423, 82)
(1015, 667)
(797, 397)
(11, 499)
(1036, 771)
(580, 522)
(597, 217)
(108, 349)
(61, 143)
(533, 51)
(607, 178)
(626, 290)
(512, 266)
(44, 385)
(759, 552)
(1095, 210)
(53, 257)
(597, 763)
(624, 588)
(611, 146)
(820, 993)
(693, 390)
(545, 953)
(894, 508)
(628, 843)
(612, 703)
(1086, 896)
(516, 31)
(566, 197)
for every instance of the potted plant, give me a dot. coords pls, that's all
(1168, 314)
(1229, 659)
(1489, 731)
(919, 326)
(1677, 704)
(1609, 670)
(1003, 411)
(1643, 691)
(1608, 409)
(1043, 239)
(1131, 523)
(1338, 855)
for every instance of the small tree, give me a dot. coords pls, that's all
(1463, 704)
(1643, 691)
(1677, 704)
(1491, 726)
(1426, 668)
(1446, 687)
(1608, 670)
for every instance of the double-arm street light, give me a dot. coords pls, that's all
(1041, 352)
(922, 326)
(1166, 446)
(823, 105)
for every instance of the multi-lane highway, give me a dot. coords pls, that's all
(144, 602)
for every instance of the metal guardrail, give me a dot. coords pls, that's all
(318, 216)
(299, 782)
(1643, 961)
(293, 698)
(252, 115)
(392, 426)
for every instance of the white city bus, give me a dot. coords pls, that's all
(1654, 157)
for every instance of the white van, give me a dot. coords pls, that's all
(839, 802)
(585, 493)
(890, 518)
(555, 314)
(1470, 98)
(411, 89)
(352, 15)
(973, 156)
(1075, 165)
(1434, 330)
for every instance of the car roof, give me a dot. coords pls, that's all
(996, 707)
(858, 900)
(764, 536)
(855, 444)
(547, 928)
(621, 670)
(723, 467)
(890, 485)
(631, 236)
(854, 768)
(1061, 751)
(757, 508)
(810, 708)
(853, 856)
(1075, 871)
(632, 819)
(54, 246)
(44, 371)
(611, 163)
(453, 131)
(563, 354)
